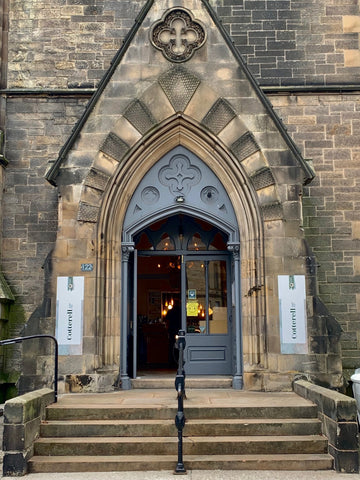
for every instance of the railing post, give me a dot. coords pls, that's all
(180, 389)
(10, 341)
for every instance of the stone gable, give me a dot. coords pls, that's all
(57, 56)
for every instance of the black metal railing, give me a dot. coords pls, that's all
(10, 341)
(180, 389)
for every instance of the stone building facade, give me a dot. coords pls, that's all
(269, 103)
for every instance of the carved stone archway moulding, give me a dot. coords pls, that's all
(193, 115)
(220, 122)
(175, 132)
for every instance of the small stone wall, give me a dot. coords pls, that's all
(22, 418)
(338, 414)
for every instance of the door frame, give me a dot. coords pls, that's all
(185, 256)
(155, 199)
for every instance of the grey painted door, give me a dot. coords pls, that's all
(206, 308)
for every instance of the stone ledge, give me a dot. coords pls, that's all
(22, 418)
(331, 403)
(338, 415)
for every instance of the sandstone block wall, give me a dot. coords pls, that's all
(326, 128)
(67, 45)
(296, 42)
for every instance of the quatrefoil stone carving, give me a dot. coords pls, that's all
(180, 175)
(178, 35)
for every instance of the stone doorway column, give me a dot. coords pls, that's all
(238, 382)
(126, 249)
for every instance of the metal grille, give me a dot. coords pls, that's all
(219, 115)
(263, 178)
(96, 179)
(114, 147)
(179, 86)
(245, 146)
(87, 213)
(139, 116)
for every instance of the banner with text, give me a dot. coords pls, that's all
(69, 315)
(292, 306)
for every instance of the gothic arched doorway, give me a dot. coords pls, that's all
(181, 218)
(183, 280)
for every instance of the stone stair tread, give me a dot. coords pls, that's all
(164, 413)
(145, 458)
(168, 462)
(115, 421)
(199, 439)
(166, 427)
(191, 421)
(253, 420)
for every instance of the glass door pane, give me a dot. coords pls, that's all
(218, 315)
(206, 296)
(196, 296)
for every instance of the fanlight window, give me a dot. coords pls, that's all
(166, 243)
(181, 233)
(196, 243)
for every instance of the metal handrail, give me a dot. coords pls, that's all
(180, 388)
(10, 341)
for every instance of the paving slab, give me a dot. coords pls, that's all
(197, 475)
(195, 398)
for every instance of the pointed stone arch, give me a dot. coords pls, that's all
(260, 173)
(177, 131)
(180, 93)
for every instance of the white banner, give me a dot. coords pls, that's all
(69, 315)
(292, 306)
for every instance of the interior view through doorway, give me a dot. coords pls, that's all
(182, 277)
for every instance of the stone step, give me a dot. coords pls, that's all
(228, 445)
(152, 428)
(44, 464)
(168, 382)
(135, 430)
(106, 412)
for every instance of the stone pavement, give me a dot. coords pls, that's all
(159, 398)
(197, 475)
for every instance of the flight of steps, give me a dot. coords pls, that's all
(100, 439)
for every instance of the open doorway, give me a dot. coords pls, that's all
(159, 312)
(182, 278)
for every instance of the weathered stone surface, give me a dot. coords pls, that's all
(338, 414)
(285, 44)
(22, 418)
(333, 404)
(22, 409)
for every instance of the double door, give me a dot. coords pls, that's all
(204, 312)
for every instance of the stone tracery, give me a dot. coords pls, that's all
(178, 35)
